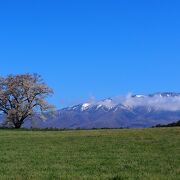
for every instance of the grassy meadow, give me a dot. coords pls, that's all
(147, 154)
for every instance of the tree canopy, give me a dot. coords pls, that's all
(23, 95)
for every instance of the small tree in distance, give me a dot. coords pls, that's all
(21, 96)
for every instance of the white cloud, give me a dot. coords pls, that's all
(158, 102)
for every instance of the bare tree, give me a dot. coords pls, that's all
(21, 96)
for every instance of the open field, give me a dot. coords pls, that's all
(97, 154)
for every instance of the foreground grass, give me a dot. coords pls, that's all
(97, 154)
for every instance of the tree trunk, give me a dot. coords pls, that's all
(17, 125)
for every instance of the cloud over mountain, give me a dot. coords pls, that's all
(165, 101)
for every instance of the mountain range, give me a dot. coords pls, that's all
(131, 111)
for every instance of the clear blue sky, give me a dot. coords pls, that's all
(97, 48)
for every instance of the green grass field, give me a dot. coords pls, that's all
(97, 154)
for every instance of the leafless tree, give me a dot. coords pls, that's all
(21, 96)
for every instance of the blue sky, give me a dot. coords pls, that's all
(94, 48)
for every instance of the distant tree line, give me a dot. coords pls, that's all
(174, 124)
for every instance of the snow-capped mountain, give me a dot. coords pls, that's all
(130, 102)
(132, 111)
(125, 111)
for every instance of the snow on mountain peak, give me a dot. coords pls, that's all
(108, 103)
(139, 96)
(85, 106)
